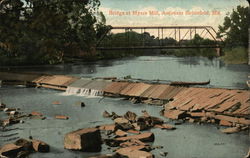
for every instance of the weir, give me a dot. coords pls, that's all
(232, 105)
(83, 92)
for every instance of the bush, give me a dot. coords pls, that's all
(238, 55)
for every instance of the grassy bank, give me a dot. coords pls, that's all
(237, 55)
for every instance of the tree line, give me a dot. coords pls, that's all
(44, 31)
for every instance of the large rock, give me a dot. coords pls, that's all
(131, 153)
(133, 142)
(40, 146)
(174, 114)
(122, 123)
(230, 130)
(121, 133)
(140, 126)
(88, 139)
(130, 116)
(144, 122)
(10, 150)
(225, 123)
(121, 120)
(165, 126)
(106, 114)
(144, 137)
(25, 144)
(110, 127)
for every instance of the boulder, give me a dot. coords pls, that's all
(133, 142)
(40, 146)
(12, 113)
(130, 153)
(163, 154)
(145, 113)
(2, 105)
(121, 133)
(156, 120)
(165, 126)
(140, 126)
(25, 144)
(174, 114)
(191, 120)
(110, 127)
(114, 115)
(82, 104)
(112, 142)
(121, 120)
(130, 116)
(10, 150)
(230, 130)
(88, 139)
(225, 123)
(106, 114)
(124, 126)
(133, 147)
(122, 123)
(144, 137)
(133, 131)
(149, 121)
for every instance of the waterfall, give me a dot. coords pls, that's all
(83, 92)
(96, 93)
(72, 90)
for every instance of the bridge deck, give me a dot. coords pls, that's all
(158, 47)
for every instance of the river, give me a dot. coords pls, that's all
(187, 141)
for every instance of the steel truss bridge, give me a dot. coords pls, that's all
(180, 34)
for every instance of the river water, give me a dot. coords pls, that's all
(187, 141)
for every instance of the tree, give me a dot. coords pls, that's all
(235, 28)
(44, 31)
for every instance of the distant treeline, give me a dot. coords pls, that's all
(133, 39)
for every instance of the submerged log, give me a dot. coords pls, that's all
(189, 83)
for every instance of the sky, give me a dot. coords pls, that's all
(168, 12)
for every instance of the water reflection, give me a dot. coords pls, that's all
(170, 68)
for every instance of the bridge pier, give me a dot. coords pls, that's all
(218, 51)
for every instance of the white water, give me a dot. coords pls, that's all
(83, 92)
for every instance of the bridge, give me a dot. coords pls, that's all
(158, 37)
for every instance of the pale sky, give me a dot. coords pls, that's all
(111, 8)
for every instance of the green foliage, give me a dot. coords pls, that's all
(197, 40)
(137, 39)
(236, 55)
(45, 31)
(132, 38)
(235, 28)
